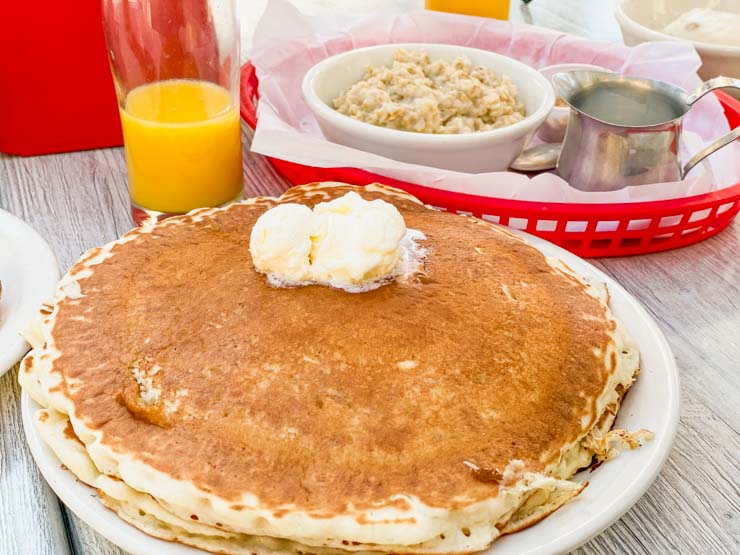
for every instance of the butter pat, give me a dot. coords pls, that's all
(356, 240)
(281, 242)
(347, 242)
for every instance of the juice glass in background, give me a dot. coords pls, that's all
(498, 9)
(175, 64)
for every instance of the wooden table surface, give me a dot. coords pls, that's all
(79, 200)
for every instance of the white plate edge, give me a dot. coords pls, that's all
(14, 353)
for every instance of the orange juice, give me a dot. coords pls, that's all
(183, 145)
(498, 9)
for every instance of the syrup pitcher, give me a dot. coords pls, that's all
(626, 131)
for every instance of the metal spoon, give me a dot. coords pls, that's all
(538, 158)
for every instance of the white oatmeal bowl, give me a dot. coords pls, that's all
(477, 118)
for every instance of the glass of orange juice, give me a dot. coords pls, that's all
(498, 9)
(175, 64)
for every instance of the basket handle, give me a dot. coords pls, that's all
(724, 140)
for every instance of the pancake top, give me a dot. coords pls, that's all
(184, 357)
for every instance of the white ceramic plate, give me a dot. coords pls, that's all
(652, 403)
(29, 274)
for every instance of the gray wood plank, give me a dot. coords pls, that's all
(79, 200)
(85, 540)
(75, 201)
(31, 518)
(694, 294)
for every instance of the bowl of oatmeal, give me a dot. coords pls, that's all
(437, 105)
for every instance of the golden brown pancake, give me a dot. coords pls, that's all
(178, 357)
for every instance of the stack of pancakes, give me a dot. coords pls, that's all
(431, 415)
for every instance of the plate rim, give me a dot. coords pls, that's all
(40, 252)
(140, 543)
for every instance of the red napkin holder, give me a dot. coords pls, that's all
(56, 89)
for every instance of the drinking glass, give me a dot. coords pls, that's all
(498, 9)
(175, 65)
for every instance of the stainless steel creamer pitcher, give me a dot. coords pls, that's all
(626, 131)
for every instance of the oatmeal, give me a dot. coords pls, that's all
(416, 94)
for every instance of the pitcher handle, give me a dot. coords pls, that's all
(724, 140)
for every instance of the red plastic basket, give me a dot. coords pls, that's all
(588, 230)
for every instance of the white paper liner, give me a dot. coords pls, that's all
(287, 43)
